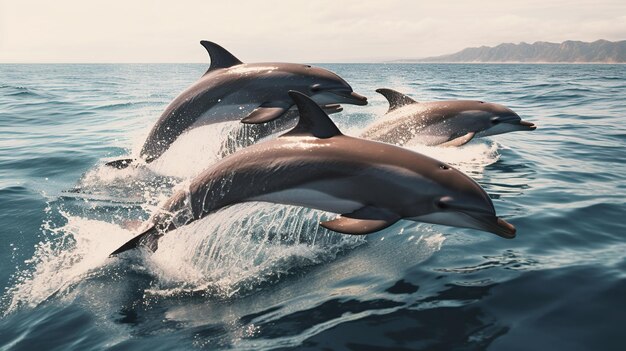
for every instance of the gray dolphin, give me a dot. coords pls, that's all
(371, 184)
(250, 92)
(445, 123)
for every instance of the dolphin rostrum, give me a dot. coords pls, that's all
(445, 123)
(371, 184)
(250, 92)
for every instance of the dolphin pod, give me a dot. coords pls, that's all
(372, 185)
(250, 92)
(443, 123)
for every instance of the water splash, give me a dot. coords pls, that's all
(233, 250)
(68, 254)
(241, 247)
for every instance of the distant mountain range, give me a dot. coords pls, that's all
(600, 51)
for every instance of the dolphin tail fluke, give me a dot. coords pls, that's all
(120, 164)
(148, 239)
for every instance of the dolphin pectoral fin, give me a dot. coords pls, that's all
(365, 220)
(264, 114)
(220, 57)
(355, 226)
(148, 239)
(462, 140)
(332, 108)
(120, 164)
(395, 98)
(313, 120)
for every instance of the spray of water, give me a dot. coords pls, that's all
(68, 253)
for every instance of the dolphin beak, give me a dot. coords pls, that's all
(528, 125)
(489, 222)
(351, 97)
(362, 100)
(496, 225)
(504, 229)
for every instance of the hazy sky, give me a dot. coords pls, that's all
(299, 31)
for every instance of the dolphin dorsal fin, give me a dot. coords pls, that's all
(396, 99)
(313, 120)
(220, 57)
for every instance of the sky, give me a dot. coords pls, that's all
(314, 31)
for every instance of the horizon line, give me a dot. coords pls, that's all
(394, 62)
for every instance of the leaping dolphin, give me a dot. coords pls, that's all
(250, 92)
(371, 184)
(444, 123)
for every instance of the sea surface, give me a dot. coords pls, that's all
(260, 276)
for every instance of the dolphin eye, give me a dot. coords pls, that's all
(443, 203)
(444, 166)
(316, 87)
(495, 120)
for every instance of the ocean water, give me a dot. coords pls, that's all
(260, 276)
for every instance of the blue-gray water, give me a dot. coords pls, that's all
(258, 276)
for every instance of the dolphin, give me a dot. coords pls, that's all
(371, 184)
(251, 92)
(444, 123)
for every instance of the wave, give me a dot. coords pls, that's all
(20, 91)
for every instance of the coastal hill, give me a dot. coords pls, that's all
(600, 51)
